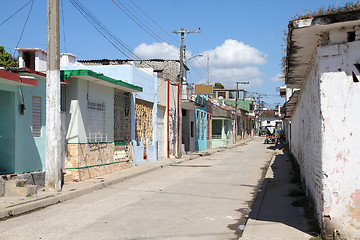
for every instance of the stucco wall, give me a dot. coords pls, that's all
(78, 94)
(306, 138)
(324, 137)
(27, 152)
(340, 101)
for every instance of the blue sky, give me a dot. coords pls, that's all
(243, 39)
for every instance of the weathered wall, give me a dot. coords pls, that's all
(340, 101)
(306, 138)
(324, 134)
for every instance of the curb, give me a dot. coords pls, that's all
(59, 197)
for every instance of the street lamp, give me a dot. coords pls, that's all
(197, 55)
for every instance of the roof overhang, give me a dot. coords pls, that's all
(290, 105)
(101, 79)
(190, 104)
(17, 79)
(304, 36)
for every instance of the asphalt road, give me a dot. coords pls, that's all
(205, 198)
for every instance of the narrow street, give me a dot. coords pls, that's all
(205, 198)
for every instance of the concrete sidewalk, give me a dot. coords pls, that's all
(273, 217)
(12, 206)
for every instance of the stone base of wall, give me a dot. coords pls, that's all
(85, 161)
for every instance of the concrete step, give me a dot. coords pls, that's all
(18, 187)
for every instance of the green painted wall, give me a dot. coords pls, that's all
(7, 132)
(30, 151)
(24, 152)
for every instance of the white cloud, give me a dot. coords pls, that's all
(232, 62)
(157, 51)
(234, 54)
(229, 76)
(278, 78)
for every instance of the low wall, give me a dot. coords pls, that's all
(85, 161)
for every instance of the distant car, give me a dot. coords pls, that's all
(262, 131)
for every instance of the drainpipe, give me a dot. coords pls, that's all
(178, 121)
(168, 118)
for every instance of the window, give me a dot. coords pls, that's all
(203, 124)
(268, 122)
(36, 116)
(192, 128)
(198, 124)
(96, 122)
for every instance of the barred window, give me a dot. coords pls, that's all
(36, 116)
(96, 122)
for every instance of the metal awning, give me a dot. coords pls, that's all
(16, 79)
(101, 79)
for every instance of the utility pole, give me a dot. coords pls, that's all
(236, 99)
(53, 121)
(208, 71)
(182, 33)
(260, 111)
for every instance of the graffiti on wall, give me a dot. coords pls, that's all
(172, 131)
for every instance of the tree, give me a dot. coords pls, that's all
(218, 85)
(6, 60)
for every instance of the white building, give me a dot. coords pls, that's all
(323, 59)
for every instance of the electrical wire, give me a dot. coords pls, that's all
(104, 31)
(15, 12)
(158, 25)
(26, 21)
(141, 24)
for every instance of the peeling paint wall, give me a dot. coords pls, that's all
(306, 139)
(324, 136)
(340, 101)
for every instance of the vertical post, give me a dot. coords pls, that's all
(208, 71)
(181, 77)
(53, 120)
(168, 119)
(236, 121)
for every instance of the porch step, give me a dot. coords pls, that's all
(18, 187)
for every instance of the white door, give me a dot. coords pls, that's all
(160, 131)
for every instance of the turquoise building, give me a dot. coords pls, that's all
(22, 122)
(201, 123)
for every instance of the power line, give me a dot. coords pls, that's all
(104, 31)
(141, 24)
(26, 21)
(158, 25)
(15, 12)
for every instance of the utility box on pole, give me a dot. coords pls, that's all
(53, 174)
